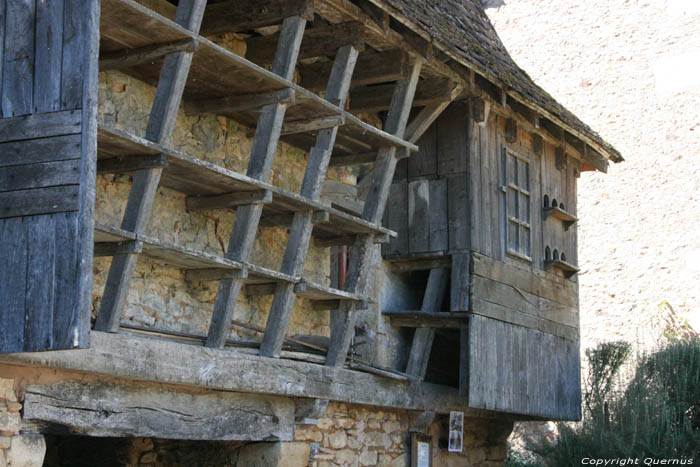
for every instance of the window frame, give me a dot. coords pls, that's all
(522, 221)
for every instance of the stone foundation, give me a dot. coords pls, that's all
(16, 450)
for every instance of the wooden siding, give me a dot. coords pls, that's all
(523, 371)
(48, 127)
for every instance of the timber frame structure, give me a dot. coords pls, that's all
(312, 68)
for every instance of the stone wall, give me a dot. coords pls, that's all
(16, 450)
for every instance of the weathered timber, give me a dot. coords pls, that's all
(312, 125)
(43, 125)
(214, 274)
(343, 319)
(460, 286)
(83, 407)
(229, 200)
(131, 164)
(40, 175)
(161, 123)
(151, 53)
(378, 98)
(267, 135)
(318, 42)
(128, 247)
(300, 234)
(238, 16)
(55, 148)
(426, 319)
(37, 201)
(245, 102)
(371, 68)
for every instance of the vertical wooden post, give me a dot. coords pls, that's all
(267, 134)
(343, 319)
(314, 177)
(161, 123)
(423, 338)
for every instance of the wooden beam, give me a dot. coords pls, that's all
(421, 264)
(129, 247)
(346, 240)
(246, 15)
(131, 163)
(324, 305)
(302, 224)
(151, 53)
(228, 200)
(353, 159)
(318, 42)
(524, 112)
(312, 125)
(267, 134)
(214, 274)
(426, 320)
(417, 365)
(370, 99)
(371, 68)
(256, 290)
(160, 126)
(343, 319)
(241, 103)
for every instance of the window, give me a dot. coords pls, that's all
(515, 170)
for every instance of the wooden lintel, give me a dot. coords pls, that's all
(214, 274)
(377, 98)
(128, 247)
(228, 200)
(126, 164)
(131, 57)
(353, 159)
(371, 68)
(322, 305)
(304, 126)
(241, 103)
(254, 290)
(246, 15)
(318, 42)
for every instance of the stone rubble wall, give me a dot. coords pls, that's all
(16, 450)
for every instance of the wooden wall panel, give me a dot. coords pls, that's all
(48, 82)
(396, 219)
(424, 162)
(542, 378)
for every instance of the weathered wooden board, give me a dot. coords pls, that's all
(140, 410)
(396, 219)
(522, 371)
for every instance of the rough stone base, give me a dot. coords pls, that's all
(16, 450)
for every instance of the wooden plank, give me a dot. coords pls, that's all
(371, 68)
(238, 16)
(343, 320)
(424, 163)
(376, 98)
(312, 125)
(540, 283)
(40, 125)
(180, 414)
(131, 164)
(39, 314)
(464, 361)
(458, 212)
(241, 103)
(489, 154)
(319, 41)
(396, 219)
(151, 53)
(300, 234)
(423, 338)
(474, 195)
(13, 277)
(420, 264)
(460, 282)
(452, 139)
(74, 54)
(161, 123)
(49, 55)
(18, 67)
(229, 200)
(267, 135)
(40, 175)
(438, 237)
(39, 201)
(418, 216)
(57, 148)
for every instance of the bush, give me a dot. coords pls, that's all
(656, 414)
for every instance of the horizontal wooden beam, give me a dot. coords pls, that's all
(241, 103)
(214, 274)
(129, 247)
(125, 164)
(371, 68)
(151, 53)
(317, 42)
(228, 200)
(378, 98)
(347, 240)
(421, 264)
(353, 159)
(285, 220)
(423, 319)
(316, 124)
(246, 15)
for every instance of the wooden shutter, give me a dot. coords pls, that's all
(48, 108)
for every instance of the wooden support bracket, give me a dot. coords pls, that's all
(228, 200)
(131, 57)
(127, 164)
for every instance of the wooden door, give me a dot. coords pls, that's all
(48, 108)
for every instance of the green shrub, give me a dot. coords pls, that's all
(655, 415)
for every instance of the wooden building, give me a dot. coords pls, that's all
(359, 126)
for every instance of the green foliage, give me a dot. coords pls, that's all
(656, 414)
